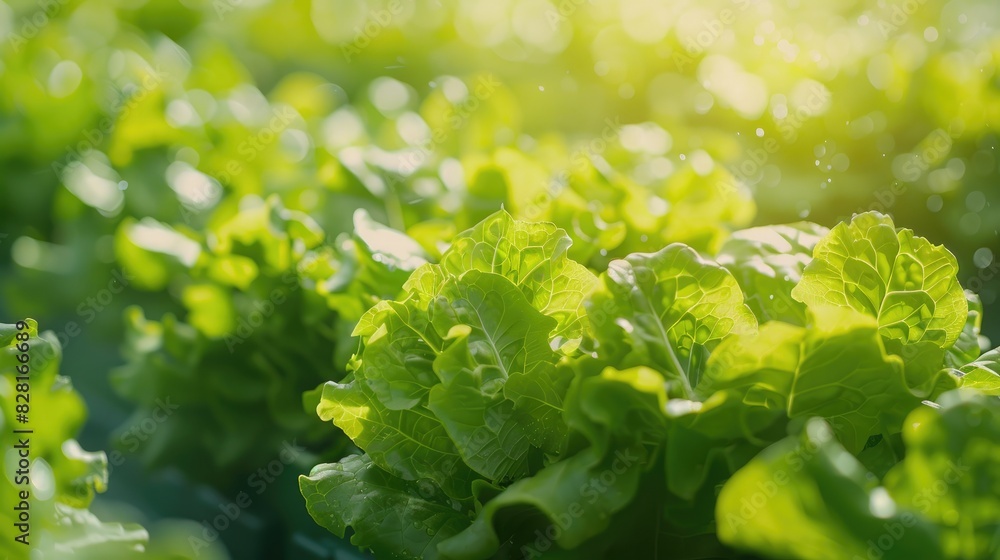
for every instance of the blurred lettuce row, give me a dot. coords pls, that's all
(192, 119)
(435, 163)
(190, 135)
(766, 92)
(269, 303)
(513, 404)
(211, 97)
(186, 128)
(63, 478)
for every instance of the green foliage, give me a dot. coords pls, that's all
(939, 501)
(222, 152)
(662, 430)
(63, 477)
(983, 374)
(668, 310)
(814, 486)
(769, 261)
(905, 282)
(232, 368)
(948, 474)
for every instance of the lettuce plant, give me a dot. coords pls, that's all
(63, 477)
(229, 364)
(512, 404)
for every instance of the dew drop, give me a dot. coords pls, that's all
(804, 209)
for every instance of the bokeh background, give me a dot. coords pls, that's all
(135, 134)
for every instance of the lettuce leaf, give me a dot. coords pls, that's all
(835, 508)
(909, 285)
(667, 310)
(949, 473)
(393, 517)
(940, 501)
(983, 374)
(768, 263)
(970, 343)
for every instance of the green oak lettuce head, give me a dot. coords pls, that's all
(512, 404)
(457, 387)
